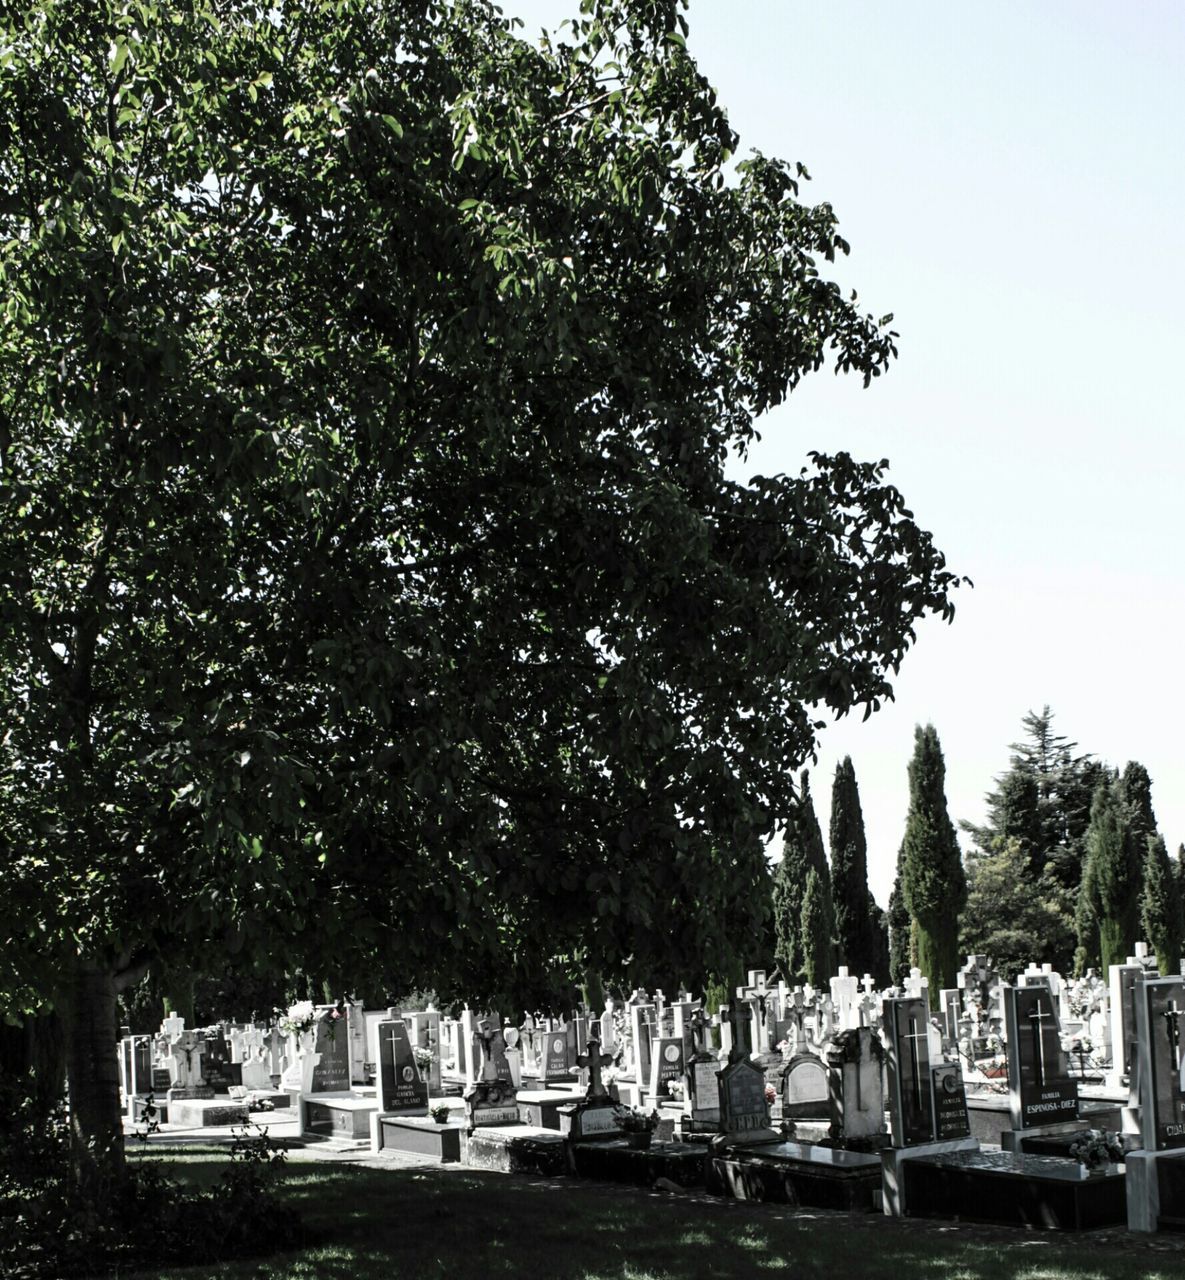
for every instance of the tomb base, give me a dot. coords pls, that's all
(335, 1115)
(515, 1149)
(1155, 1190)
(895, 1159)
(800, 1174)
(1041, 1192)
(416, 1135)
(187, 1093)
(206, 1113)
(540, 1107)
(1056, 1139)
(616, 1161)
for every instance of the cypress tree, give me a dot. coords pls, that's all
(814, 931)
(1179, 876)
(1116, 869)
(898, 922)
(802, 851)
(878, 923)
(1160, 907)
(932, 881)
(849, 873)
(1135, 790)
(1086, 922)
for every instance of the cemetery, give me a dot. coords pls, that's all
(431, 601)
(845, 1097)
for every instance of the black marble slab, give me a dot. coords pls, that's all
(798, 1173)
(1044, 1192)
(615, 1161)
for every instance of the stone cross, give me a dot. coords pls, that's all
(592, 1060)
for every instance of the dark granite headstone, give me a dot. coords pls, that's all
(1040, 1086)
(1162, 1120)
(332, 1072)
(910, 1110)
(555, 1050)
(950, 1102)
(399, 1085)
(666, 1064)
(743, 1108)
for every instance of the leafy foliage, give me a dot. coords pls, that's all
(933, 885)
(378, 602)
(1010, 913)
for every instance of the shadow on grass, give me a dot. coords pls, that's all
(365, 1222)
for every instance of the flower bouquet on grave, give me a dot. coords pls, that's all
(423, 1059)
(440, 1112)
(638, 1126)
(676, 1089)
(1096, 1149)
(300, 1019)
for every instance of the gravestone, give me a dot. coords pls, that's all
(1124, 981)
(666, 1064)
(949, 1102)
(400, 1087)
(857, 1097)
(1156, 1175)
(185, 1071)
(908, 1068)
(594, 1117)
(1040, 1088)
(555, 1062)
(845, 997)
(806, 1089)
(744, 1111)
(492, 1100)
(331, 1073)
(702, 1092)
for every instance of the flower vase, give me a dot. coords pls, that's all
(639, 1141)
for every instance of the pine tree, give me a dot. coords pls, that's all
(932, 880)
(1116, 868)
(1160, 907)
(802, 852)
(814, 931)
(849, 873)
(898, 921)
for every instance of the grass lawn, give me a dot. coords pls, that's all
(366, 1222)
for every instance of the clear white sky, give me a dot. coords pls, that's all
(1010, 178)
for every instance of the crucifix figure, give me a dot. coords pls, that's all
(699, 1024)
(593, 1060)
(484, 1034)
(737, 1052)
(912, 1038)
(1172, 1026)
(1037, 1018)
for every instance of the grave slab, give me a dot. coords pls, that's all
(1039, 1192)
(205, 1113)
(799, 1173)
(616, 1161)
(328, 1115)
(540, 1107)
(515, 1149)
(420, 1136)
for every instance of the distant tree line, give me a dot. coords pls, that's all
(1069, 868)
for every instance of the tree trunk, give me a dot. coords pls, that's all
(92, 1072)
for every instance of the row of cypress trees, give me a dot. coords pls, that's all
(825, 915)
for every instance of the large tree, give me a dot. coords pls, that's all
(849, 873)
(376, 597)
(900, 927)
(932, 881)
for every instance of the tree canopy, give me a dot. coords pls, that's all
(378, 598)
